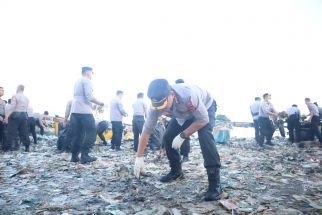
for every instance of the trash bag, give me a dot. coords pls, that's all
(61, 138)
(155, 141)
(64, 139)
(306, 133)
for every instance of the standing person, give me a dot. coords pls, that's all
(314, 118)
(17, 120)
(266, 126)
(320, 109)
(139, 113)
(185, 147)
(293, 123)
(82, 122)
(2, 116)
(254, 110)
(191, 110)
(32, 123)
(117, 113)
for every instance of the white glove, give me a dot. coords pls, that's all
(177, 142)
(138, 166)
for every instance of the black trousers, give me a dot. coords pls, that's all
(293, 126)
(32, 128)
(206, 140)
(40, 127)
(117, 129)
(101, 128)
(185, 148)
(2, 134)
(83, 132)
(137, 126)
(315, 121)
(17, 124)
(257, 131)
(266, 128)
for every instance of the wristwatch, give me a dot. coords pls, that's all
(183, 135)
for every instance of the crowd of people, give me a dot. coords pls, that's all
(266, 119)
(190, 109)
(17, 121)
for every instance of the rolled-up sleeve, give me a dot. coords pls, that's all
(121, 108)
(88, 90)
(151, 121)
(200, 112)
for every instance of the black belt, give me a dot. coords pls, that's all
(138, 116)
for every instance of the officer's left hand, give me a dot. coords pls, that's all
(177, 142)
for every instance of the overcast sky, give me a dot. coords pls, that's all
(235, 49)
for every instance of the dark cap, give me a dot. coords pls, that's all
(86, 69)
(179, 81)
(266, 94)
(158, 92)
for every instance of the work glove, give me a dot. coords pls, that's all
(177, 142)
(138, 166)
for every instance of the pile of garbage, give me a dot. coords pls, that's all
(283, 179)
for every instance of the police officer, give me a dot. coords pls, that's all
(191, 110)
(293, 123)
(101, 127)
(82, 122)
(314, 118)
(254, 110)
(41, 121)
(139, 113)
(266, 126)
(185, 147)
(17, 120)
(117, 113)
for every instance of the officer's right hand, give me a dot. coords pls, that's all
(138, 166)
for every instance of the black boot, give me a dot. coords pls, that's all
(214, 190)
(172, 175)
(85, 158)
(27, 148)
(75, 158)
(185, 158)
(15, 146)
